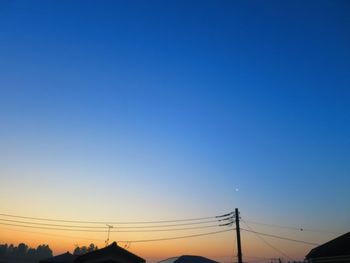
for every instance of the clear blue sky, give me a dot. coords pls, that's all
(173, 105)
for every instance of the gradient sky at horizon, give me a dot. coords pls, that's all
(148, 110)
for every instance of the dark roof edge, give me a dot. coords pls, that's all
(108, 248)
(314, 250)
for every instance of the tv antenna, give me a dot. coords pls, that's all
(109, 231)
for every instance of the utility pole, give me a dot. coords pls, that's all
(239, 249)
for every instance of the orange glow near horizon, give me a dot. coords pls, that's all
(220, 247)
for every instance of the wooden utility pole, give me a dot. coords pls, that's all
(239, 249)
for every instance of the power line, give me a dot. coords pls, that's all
(174, 238)
(116, 231)
(104, 227)
(277, 226)
(58, 229)
(50, 234)
(150, 228)
(280, 237)
(171, 225)
(267, 243)
(45, 224)
(120, 223)
(291, 227)
(167, 230)
(130, 241)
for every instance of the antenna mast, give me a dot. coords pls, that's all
(109, 230)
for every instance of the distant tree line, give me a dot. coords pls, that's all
(84, 249)
(24, 254)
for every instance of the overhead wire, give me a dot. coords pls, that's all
(267, 243)
(149, 226)
(117, 222)
(55, 225)
(144, 226)
(291, 227)
(166, 230)
(174, 238)
(58, 229)
(50, 234)
(104, 227)
(112, 231)
(280, 237)
(34, 222)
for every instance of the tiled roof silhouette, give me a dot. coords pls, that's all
(339, 246)
(188, 259)
(111, 250)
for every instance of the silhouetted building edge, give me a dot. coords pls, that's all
(188, 259)
(335, 250)
(110, 254)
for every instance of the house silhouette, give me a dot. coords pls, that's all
(336, 250)
(188, 259)
(110, 254)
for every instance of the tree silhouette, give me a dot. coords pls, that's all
(22, 250)
(22, 253)
(43, 251)
(84, 249)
